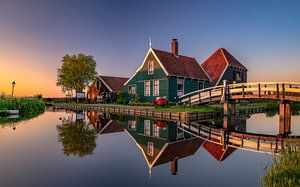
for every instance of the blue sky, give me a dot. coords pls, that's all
(34, 35)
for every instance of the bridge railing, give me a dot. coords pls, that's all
(208, 94)
(275, 90)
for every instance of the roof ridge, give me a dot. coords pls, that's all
(211, 55)
(224, 56)
(172, 53)
(112, 76)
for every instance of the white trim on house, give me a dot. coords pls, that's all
(205, 72)
(132, 85)
(150, 62)
(145, 94)
(150, 149)
(222, 75)
(99, 77)
(147, 127)
(154, 88)
(144, 61)
(182, 86)
(218, 82)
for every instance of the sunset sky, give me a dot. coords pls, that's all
(35, 34)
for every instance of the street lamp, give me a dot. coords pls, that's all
(13, 88)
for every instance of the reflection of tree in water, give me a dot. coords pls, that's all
(77, 138)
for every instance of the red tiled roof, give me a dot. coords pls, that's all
(115, 83)
(180, 65)
(217, 62)
(217, 150)
(179, 149)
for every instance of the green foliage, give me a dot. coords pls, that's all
(140, 104)
(285, 170)
(76, 72)
(24, 105)
(38, 96)
(77, 138)
(4, 121)
(121, 98)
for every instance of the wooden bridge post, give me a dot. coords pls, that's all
(224, 92)
(229, 109)
(284, 118)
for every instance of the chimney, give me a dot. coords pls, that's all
(175, 47)
(174, 166)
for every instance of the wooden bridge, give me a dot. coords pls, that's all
(281, 91)
(268, 144)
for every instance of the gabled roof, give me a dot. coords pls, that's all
(175, 65)
(216, 64)
(180, 65)
(112, 127)
(217, 151)
(179, 149)
(114, 84)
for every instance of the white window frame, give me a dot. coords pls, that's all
(147, 127)
(178, 93)
(130, 90)
(155, 131)
(150, 149)
(132, 125)
(147, 92)
(156, 89)
(150, 67)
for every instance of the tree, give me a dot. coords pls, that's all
(76, 72)
(77, 138)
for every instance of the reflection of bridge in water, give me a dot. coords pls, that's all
(162, 142)
(224, 133)
(283, 92)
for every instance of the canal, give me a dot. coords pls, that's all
(64, 148)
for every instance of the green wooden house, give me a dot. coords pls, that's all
(161, 142)
(165, 74)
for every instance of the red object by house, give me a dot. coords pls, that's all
(161, 124)
(161, 101)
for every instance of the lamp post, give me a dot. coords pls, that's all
(13, 88)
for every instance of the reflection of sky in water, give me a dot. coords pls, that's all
(32, 156)
(259, 123)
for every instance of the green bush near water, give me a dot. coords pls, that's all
(24, 105)
(285, 170)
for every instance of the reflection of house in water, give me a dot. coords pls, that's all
(103, 123)
(161, 142)
(218, 151)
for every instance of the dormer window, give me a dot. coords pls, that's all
(150, 67)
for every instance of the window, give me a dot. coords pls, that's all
(132, 125)
(147, 88)
(156, 88)
(201, 85)
(155, 131)
(150, 67)
(180, 87)
(150, 149)
(98, 85)
(147, 127)
(237, 75)
(132, 89)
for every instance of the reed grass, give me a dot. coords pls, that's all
(285, 170)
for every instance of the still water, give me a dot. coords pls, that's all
(101, 149)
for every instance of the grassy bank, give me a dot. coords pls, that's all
(285, 170)
(24, 105)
